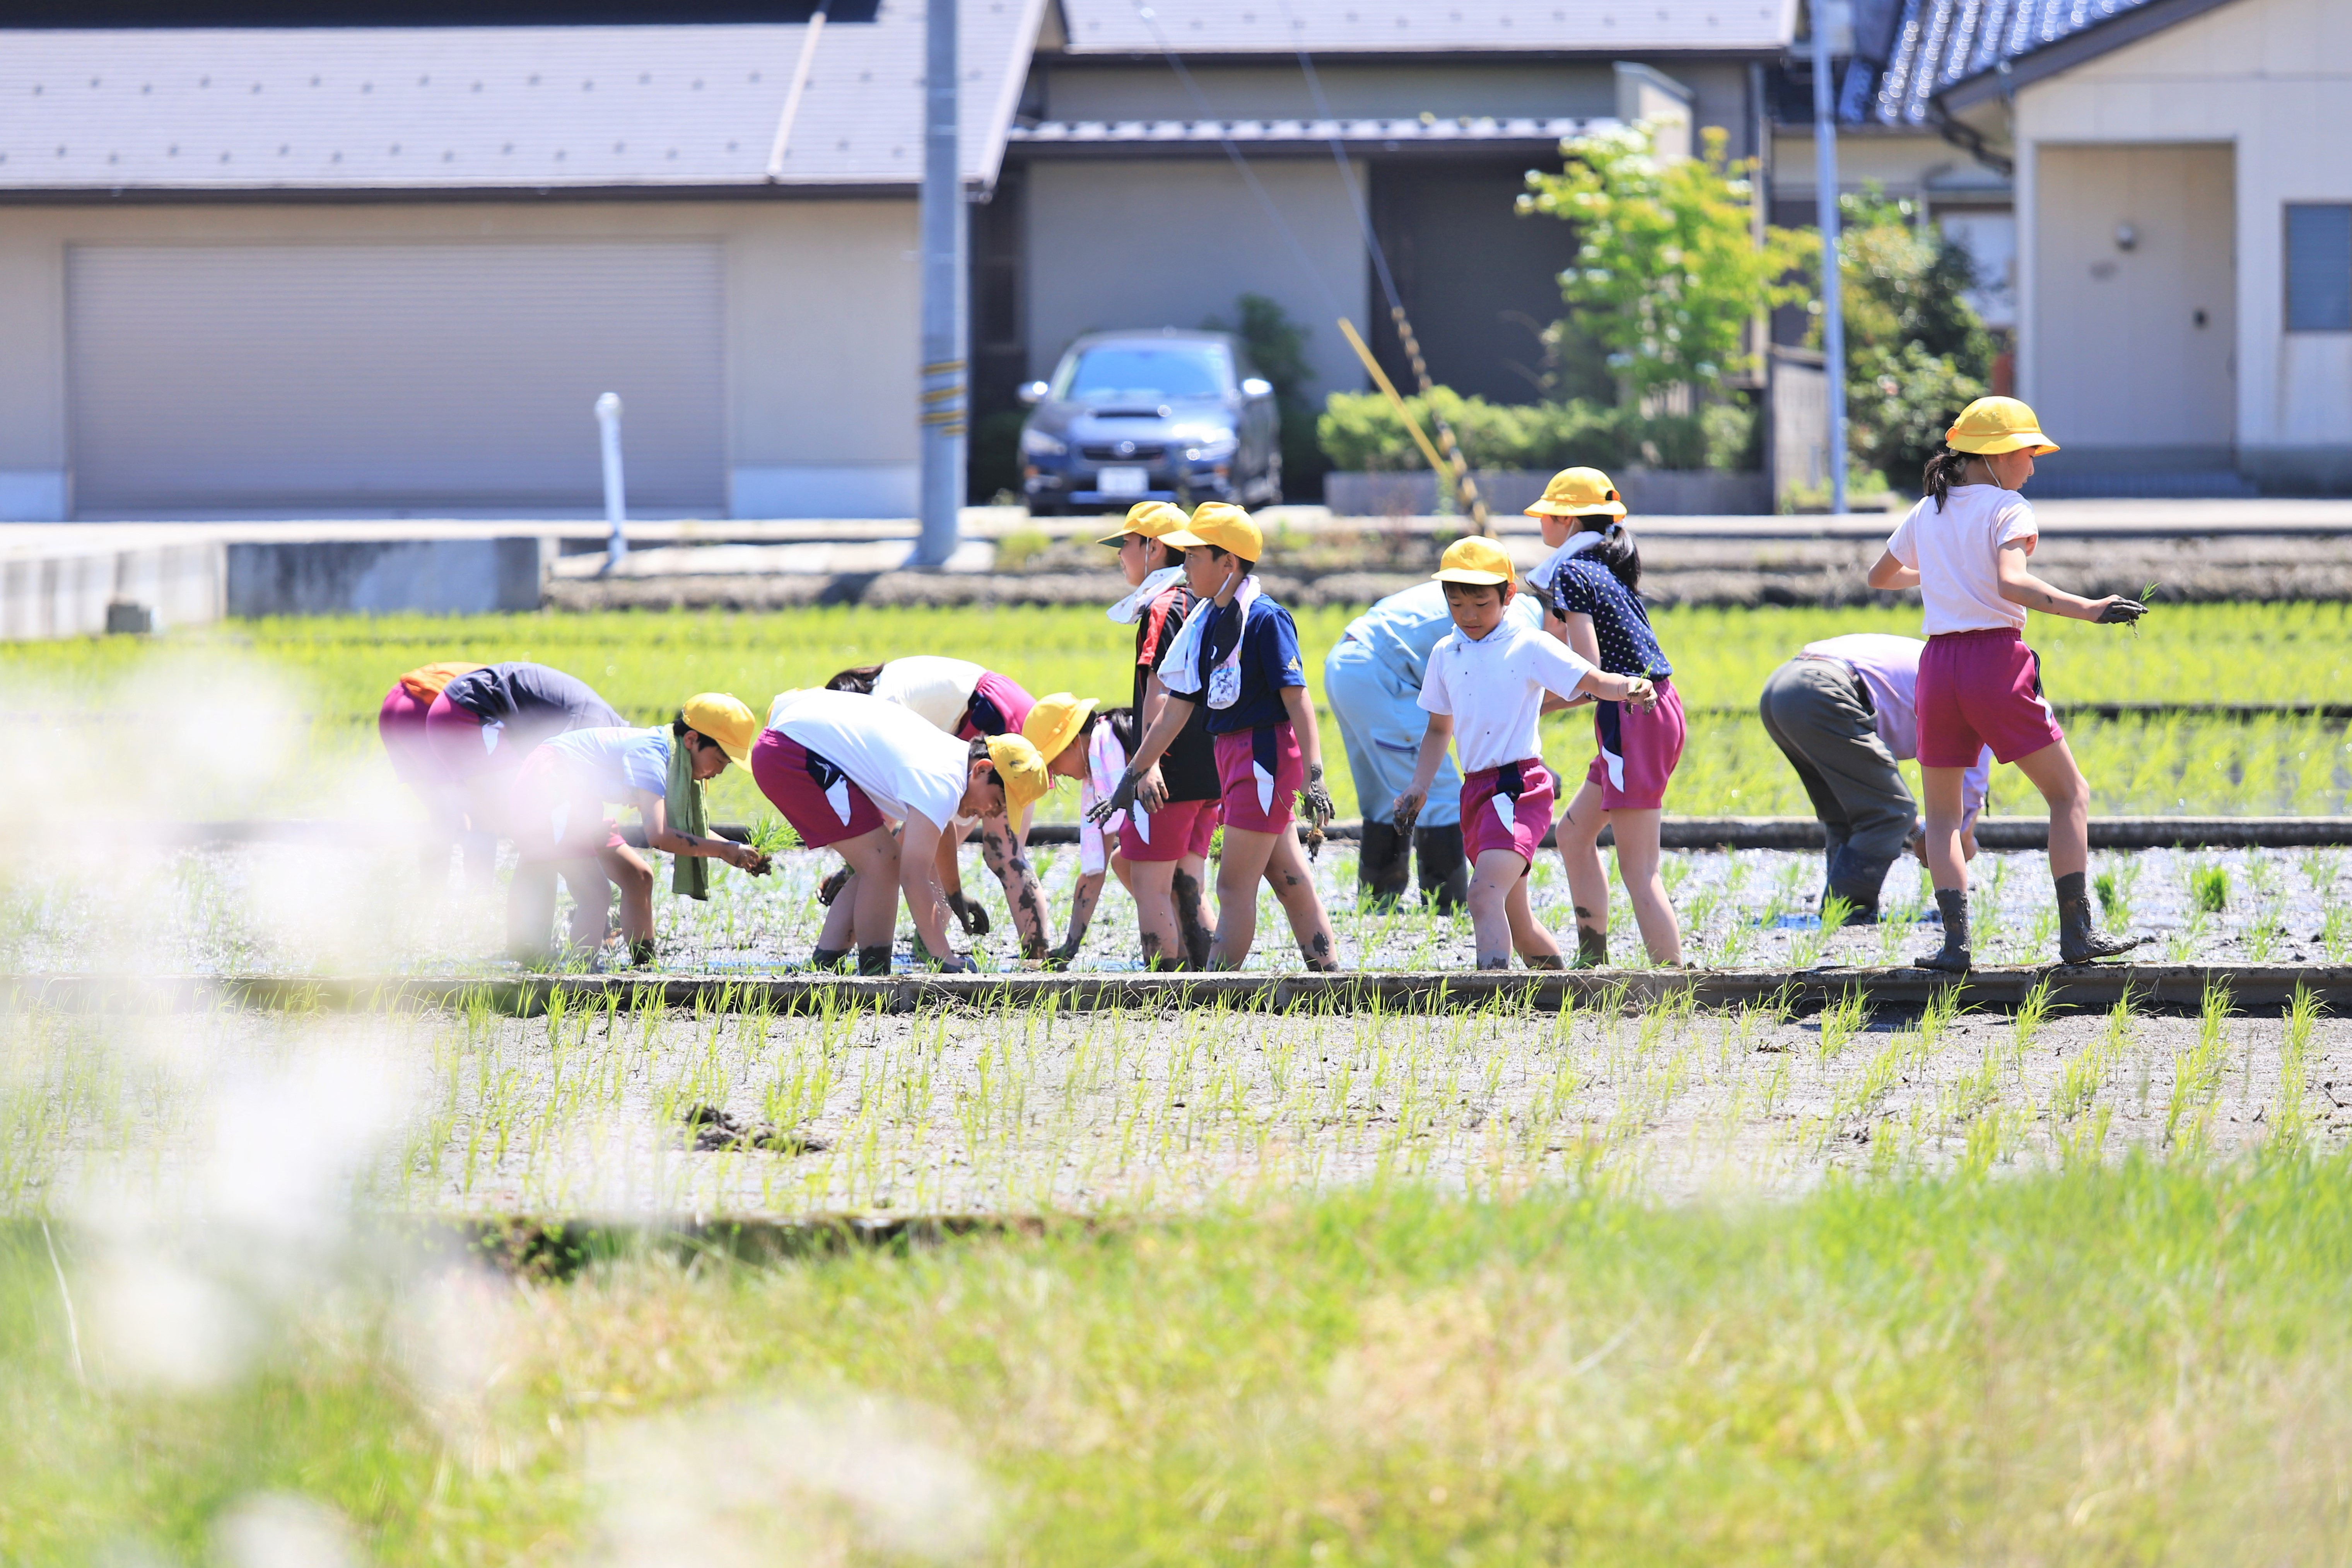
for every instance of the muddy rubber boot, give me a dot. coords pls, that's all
(874, 960)
(641, 953)
(1592, 948)
(1444, 874)
(2079, 940)
(1859, 879)
(1547, 961)
(1952, 958)
(1383, 866)
(1834, 842)
(827, 960)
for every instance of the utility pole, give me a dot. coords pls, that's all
(944, 404)
(1825, 181)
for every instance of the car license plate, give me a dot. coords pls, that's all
(1124, 481)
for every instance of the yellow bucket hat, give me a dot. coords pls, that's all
(1475, 561)
(725, 720)
(1022, 770)
(1221, 524)
(1578, 493)
(1992, 425)
(1053, 723)
(1152, 519)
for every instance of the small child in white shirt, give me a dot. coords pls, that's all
(1484, 688)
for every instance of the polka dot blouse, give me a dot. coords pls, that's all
(1628, 646)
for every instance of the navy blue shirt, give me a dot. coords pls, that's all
(1269, 662)
(534, 701)
(1628, 646)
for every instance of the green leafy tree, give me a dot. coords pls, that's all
(1277, 346)
(1667, 274)
(1917, 353)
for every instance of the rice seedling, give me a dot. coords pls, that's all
(1841, 1019)
(2197, 1075)
(2334, 936)
(2290, 1117)
(2209, 887)
(2027, 1022)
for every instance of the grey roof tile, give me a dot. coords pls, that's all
(458, 108)
(1425, 27)
(1937, 43)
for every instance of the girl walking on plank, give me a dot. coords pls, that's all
(559, 797)
(1590, 585)
(1238, 656)
(1484, 688)
(842, 766)
(1966, 546)
(1165, 842)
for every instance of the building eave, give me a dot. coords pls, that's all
(2068, 52)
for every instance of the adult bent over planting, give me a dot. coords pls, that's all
(843, 766)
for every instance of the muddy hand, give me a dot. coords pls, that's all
(1407, 810)
(1122, 796)
(2122, 612)
(830, 888)
(968, 912)
(1315, 799)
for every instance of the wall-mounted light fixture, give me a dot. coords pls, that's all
(2127, 238)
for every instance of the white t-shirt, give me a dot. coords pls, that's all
(617, 762)
(904, 763)
(932, 685)
(1955, 552)
(1494, 687)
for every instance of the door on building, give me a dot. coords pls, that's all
(1479, 282)
(2133, 351)
(360, 379)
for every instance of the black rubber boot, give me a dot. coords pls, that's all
(827, 960)
(2079, 940)
(1444, 874)
(1952, 958)
(1834, 841)
(1383, 866)
(1592, 948)
(1859, 879)
(642, 953)
(874, 960)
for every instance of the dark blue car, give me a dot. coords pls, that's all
(1151, 416)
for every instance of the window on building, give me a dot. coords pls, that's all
(2319, 267)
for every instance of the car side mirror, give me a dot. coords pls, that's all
(1257, 386)
(1031, 393)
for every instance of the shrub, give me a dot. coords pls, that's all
(1361, 432)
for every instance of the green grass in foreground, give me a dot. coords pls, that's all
(2131, 1365)
(334, 670)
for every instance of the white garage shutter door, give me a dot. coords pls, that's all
(334, 378)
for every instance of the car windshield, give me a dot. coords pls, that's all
(1135, 372)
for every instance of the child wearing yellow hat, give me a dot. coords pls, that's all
(558, 818)
(1483, 689)
(842, 766)
(1081, 740)
(1965, 547)
(1238, 656)
(1164, 845)
(1591, 585)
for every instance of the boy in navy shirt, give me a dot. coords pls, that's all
(1238, 654)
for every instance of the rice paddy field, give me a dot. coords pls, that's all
(1629, 1283)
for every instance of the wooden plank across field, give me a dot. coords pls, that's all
(2154, 986)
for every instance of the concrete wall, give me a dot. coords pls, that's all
(2273, 77)
(820, 340)
(61, 588)
(438, 577)
(1174, 243)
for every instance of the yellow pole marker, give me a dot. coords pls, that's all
(1438, 463)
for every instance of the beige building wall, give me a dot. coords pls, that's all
(2272, 78)
(1175, 243)
(822, 318)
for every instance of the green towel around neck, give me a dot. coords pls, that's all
(682, 799)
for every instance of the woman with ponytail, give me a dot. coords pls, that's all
(1591, 586)
(1966, 547)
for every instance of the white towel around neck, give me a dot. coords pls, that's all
(1128, 611)
(1182, 663)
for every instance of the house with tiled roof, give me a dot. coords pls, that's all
(263, 257)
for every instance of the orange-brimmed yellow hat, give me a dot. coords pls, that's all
(1223, 525)
(1578, 493)
(1054, 722)
(1017, 762)
(1475, 561)
(725, 720)
(425, 681)
(1994, 424)
(1151, 520)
